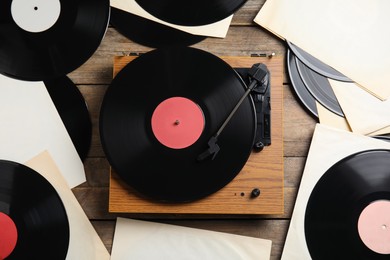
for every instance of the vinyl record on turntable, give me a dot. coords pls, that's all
(159, 114)
(33, 220)
(190, 13)
(43, 39)
(348, 212)
(148, 32)
(73, 111)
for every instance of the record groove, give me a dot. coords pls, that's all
(163, 173)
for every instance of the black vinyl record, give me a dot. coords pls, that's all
(149, 165)
(319, 87)
(150, 33)
(73, 111)
(385, 137)
(338, 202)
(194, 12)
(32, 214)
(40, 40)
(317, 65)
(299, 87)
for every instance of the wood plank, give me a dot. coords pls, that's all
(95, 204)
(97, 172)
(240, 41)
(246, 14)
(93, 195)
(298, 125)
(93, 95)
(105, 230)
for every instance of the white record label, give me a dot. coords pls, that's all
(35, 15)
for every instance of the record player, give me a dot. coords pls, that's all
(253, 186)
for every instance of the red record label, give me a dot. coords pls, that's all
(374, 226)
(177, 122)
(8, 235)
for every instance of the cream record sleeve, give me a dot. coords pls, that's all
(350, 35)
(30, 124)
(329, 145)
(144, 240)
(84, 242)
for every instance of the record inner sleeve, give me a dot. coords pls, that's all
(328, 147)
(345, 194)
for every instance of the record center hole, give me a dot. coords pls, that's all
(35, 8)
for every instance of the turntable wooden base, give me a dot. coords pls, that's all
(263, 170)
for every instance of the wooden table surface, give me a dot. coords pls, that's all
(244, 38)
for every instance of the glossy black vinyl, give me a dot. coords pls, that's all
(337, 200)
(150, 33)
(37, 211)
(64, 47)
(73, 111)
